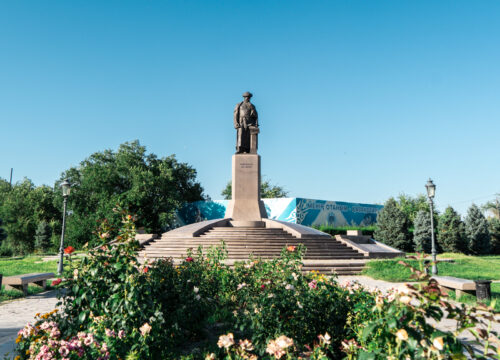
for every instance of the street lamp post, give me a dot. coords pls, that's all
(431, 191)
(66, 186)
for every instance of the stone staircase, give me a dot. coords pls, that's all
(323, 254)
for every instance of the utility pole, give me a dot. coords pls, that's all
(11, 170)
(498, 208)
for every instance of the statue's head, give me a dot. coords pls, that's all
(247, 95)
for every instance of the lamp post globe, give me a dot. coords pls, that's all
(431, 192)
(66, 189)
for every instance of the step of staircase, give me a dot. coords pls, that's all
(325, 255)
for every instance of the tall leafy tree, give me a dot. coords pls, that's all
(494, 228)
(451, 232)
(3, 234)
(410, 205)
(22, 207)
(493, 206)
(422, 232)
(43, 236)
(392, 227)
(152, 188)
(476, 229)
(267, 191)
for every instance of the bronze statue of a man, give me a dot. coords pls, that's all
(246, 121)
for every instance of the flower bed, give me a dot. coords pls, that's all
(117, 308)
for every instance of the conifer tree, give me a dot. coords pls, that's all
(476, 229)
(451, 232)
(422, 233)
(42, 236)
(494, 227)
(3, 234)
(392, 227)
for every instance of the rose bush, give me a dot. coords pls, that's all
(275, 298)
(114, 307)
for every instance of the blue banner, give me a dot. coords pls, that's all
(302, 211)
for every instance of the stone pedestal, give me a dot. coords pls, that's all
(246, 208)
(254, 131)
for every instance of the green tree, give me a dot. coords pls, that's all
(422, 233)
(451, 232)
(476, 229)
(410, 206)
(392, 227)
(43, 237)
(267, 191)
(493, 206)
(494, 228)
(3, 234)
(22, 207)
(152, 188)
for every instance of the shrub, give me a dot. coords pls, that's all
(6, 251)
(422, 232)
(274, 298)
(43, 237)
(494, 228)
(392, 227)
(476, 229)
(109, 291)
(115, 308)
(451, 232)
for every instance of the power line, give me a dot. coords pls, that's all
(478, 198)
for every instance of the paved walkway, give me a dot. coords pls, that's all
(15, 314)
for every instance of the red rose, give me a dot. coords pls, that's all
(263, 286)
(56, 282)
(189, 259)
(69, 250)
(146, 269)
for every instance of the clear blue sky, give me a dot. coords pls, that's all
(358, 100)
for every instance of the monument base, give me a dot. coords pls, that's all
(253, 224)
(245, 207)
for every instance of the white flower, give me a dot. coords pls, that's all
(241, 286)
(299, 305)
(402, 334)
(295, 276)
(405, 299)
(246, 345)
(198, 297)
(283, 342)
(195, 289)
(270, 295)
(289, 287)
(404, 289)
(145, 329)
(438, 343)
(75, 274)
(325, 339)
(226, 341)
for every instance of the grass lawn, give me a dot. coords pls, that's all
(24, 265)
(464, 266)
(471, 299)
(15, 294)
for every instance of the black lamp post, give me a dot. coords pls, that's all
(431, 191)
(66, 187)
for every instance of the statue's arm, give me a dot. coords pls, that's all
(236, 116)
(255, 115)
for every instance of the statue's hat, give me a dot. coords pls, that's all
(245, 94)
